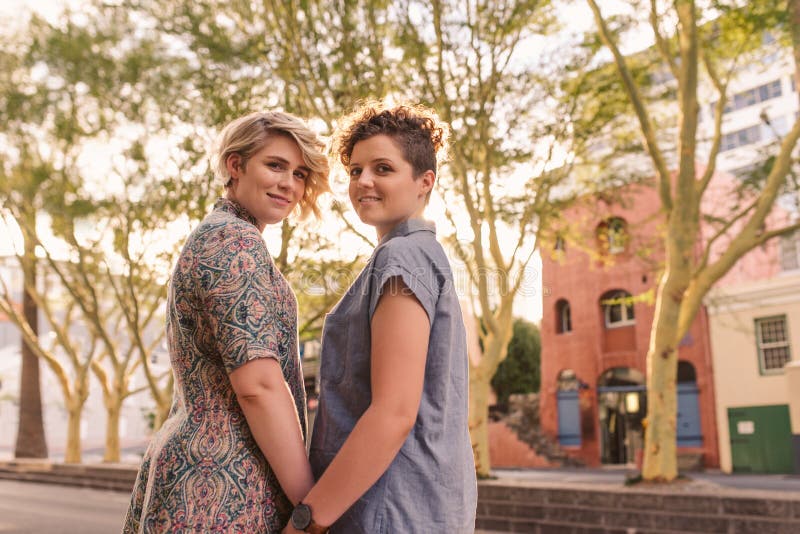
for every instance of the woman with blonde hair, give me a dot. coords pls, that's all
(231, 457)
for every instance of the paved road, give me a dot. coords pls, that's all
(31, 508)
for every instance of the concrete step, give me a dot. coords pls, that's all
(44, 478)
(520, 508)
(768, 506)
(108, 476)
(516, 516)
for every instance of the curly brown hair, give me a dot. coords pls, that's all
(415, 128)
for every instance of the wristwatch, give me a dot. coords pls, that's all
(301, 520)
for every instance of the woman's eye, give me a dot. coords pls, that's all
(355, 172)
(384, 169)
(274, 165)
(300, 175)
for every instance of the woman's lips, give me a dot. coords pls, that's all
(283, 201)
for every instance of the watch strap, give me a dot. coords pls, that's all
(311, 527)
(314, 528)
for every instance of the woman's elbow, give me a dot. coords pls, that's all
(256, 392)
(399, 420)
(252, 396)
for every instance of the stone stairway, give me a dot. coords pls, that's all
(523, 419)
(512, 508)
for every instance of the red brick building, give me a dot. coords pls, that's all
(599, 277)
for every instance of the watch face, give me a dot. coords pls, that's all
(301, 517)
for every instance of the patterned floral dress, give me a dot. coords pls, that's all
(227, 305)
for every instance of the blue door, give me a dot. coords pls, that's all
(569, 419)
(689, 433)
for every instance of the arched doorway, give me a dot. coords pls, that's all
(621, 403)
(569, 415)
(688, 424)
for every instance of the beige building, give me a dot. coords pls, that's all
(755, 332)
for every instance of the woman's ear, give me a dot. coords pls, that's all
(234, 164)
(426, 180)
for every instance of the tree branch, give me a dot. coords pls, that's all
(664, 178)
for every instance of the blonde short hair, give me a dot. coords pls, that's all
(248, 134)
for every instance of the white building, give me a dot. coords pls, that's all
(755, 321)
(762, 106)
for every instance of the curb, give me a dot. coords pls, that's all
(113, 477)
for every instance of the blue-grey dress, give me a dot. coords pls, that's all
(430, 486)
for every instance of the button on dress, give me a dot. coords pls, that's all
(227, 304)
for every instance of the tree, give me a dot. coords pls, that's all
(110, 248)
(520, 371)
(463, 58)
(714, 45)
(298, 57)
(466, 60)
(31, 442)
(74, 377)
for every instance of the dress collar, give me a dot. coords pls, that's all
(234, 208)
(409, 227)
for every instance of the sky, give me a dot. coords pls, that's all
(529, 303)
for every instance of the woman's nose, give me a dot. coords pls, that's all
(365, 179)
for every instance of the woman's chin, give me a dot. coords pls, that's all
(365, 218)
(273, 219)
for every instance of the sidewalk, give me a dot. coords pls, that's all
(577, 500)
(98, 475)
(615, 476)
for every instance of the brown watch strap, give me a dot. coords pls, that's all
(314, 528)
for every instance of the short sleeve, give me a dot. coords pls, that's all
(403, 258)
(241, 301)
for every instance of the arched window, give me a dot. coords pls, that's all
(617, 308)
(567, 380)
(613, 235)
(686, 372)
(563, 317)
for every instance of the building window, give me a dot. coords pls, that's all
(613, 235)
(618, 309)
(560, 245)
(751, 97)
(772, 340)
(743, 137)
(790, 251)
(563, 317)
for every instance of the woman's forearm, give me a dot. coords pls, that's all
(272, 417)
(364, 457)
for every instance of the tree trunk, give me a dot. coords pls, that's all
(660, 454)
(31, 441)
(479, 388)
(72, 454)
(794, 26)
(162, 413)
(113, 411)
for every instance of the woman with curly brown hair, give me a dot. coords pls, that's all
(391, 450)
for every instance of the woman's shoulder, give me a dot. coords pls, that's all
(224, 234)
(418, 250)
(226, 226)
